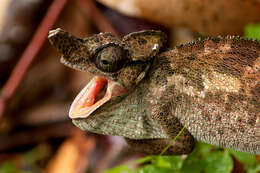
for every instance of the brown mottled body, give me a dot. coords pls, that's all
(211, 86)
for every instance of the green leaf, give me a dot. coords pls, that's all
(249, 161)
(206, 158)
(217, 162)
(155, 169)
(145, 159)
(120, 169)
(158, 164)
(193, 162)
(8, 167)
(203, 148)
(252, 169)
(253, 31)
(173, 162)
(161, 163)
(245, 158)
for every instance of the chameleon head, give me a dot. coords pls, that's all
(117, 64)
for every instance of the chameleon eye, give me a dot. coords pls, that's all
(110, 59)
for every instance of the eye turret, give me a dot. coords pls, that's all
(110, 58)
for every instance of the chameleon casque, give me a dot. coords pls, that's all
(147, 95)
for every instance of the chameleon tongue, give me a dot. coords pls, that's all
(87, 100)
(96, 86)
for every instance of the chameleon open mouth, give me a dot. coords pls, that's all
(96, 93)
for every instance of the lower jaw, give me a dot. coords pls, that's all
(83, 105)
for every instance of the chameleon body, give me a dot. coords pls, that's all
(210, 86)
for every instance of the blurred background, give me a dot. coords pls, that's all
(36, 91)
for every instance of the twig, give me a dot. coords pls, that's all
(91, 10)
(30, 52)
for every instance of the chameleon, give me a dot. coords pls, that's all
(147, 93)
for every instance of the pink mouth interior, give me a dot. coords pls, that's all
(96, 93)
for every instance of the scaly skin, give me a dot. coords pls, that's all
(211, 86)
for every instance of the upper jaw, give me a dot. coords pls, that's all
(96, 93)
